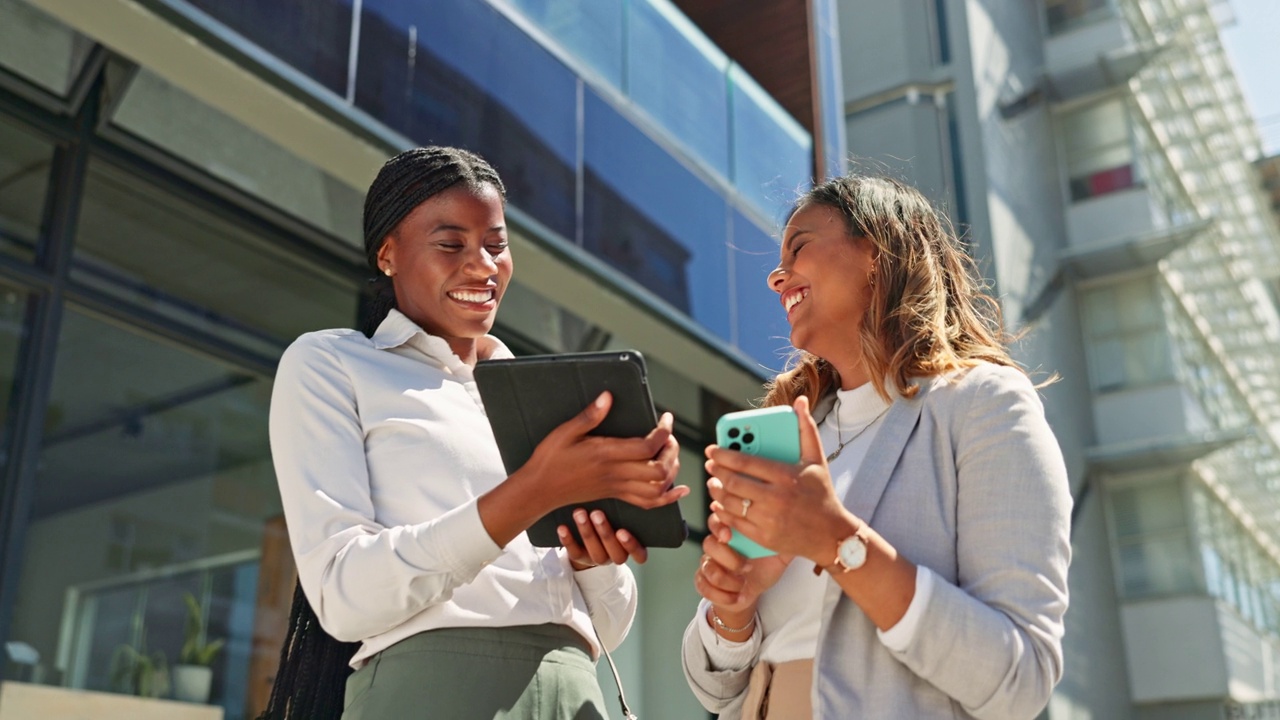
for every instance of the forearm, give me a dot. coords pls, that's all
(364, 579)
(612, 598)
(512, 507)
(717, 672)
(885, 584)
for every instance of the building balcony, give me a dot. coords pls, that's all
(1091, 57)
(1233, 660)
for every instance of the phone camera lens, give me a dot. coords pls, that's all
(733, 432)
(735, 446)
(748, 438)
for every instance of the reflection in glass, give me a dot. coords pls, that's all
(173, 119)
(590, 30)
(773, 158)
(648, 216)
(13, 305)
(137, 242)
(460, 73)
(25, 161)
(154, 480)
(40, 48)
(826, 39)
(677, 76)
(317, 40)
(762, 330)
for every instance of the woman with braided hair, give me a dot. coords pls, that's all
(407, 531)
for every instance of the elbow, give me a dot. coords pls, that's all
(343, 623)
(1028, 688)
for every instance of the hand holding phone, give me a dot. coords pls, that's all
(773, 433)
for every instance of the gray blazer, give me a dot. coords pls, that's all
(967, 479)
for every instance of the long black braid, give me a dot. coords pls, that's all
(311, 681)
(404, 182)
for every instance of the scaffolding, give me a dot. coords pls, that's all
(1198, 143)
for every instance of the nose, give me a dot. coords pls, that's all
(482, 263)
(775, 279)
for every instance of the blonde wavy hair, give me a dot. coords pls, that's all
(928, 315)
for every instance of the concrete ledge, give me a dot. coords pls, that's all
(23, 701)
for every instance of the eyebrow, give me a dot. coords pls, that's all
(459, 228)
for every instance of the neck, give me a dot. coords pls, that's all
(853, 374)
(467, 350)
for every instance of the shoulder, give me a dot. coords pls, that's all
(314, 351)
(978, 385)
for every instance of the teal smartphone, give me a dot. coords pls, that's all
(773, 433)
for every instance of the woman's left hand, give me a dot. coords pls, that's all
(600, 545)
(792, 509)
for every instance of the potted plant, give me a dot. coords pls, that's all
(193, 673)
(133, 669)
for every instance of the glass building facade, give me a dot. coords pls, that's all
(165, 232)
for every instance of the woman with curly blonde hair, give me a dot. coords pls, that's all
(923, 539)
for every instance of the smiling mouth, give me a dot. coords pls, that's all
(793, 299)
(474, 297)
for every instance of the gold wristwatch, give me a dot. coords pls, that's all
(851, 554)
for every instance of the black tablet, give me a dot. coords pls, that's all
(528, 397)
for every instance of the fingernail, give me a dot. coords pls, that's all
(580, 516)
(597, 517)
(564, 533)
(623, 536)
(600, 399)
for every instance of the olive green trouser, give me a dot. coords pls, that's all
(532, 672)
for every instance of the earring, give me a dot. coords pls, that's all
(387, 271)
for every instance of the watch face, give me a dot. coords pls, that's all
(853, 552)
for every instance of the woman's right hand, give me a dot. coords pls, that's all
(729, 580)
(572, 467)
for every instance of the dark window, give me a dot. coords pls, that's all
(653, 219)
(314, 36)
(24, 181)
(463, 75)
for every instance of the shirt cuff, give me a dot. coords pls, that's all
(601, 578)
(462, 542)
(899, 637)
(727, 654)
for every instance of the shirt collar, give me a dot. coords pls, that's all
(397, 329)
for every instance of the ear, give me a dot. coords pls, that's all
(387, 254)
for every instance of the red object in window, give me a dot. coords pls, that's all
(1109, 181)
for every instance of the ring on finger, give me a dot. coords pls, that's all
(746, 505)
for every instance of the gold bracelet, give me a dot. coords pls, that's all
(720, 623)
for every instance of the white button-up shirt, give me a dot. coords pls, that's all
(381, 448)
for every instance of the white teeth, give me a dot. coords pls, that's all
(472, 297)
(796, 298)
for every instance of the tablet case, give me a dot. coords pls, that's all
(528, 397)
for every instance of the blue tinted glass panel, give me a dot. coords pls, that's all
(648, 216)
(457, 72)
(677, 77)
(772, 154)
(762, 329)
(591, 30)
(831, 88)
(313, 36)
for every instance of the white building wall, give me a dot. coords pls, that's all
(1015, 196)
